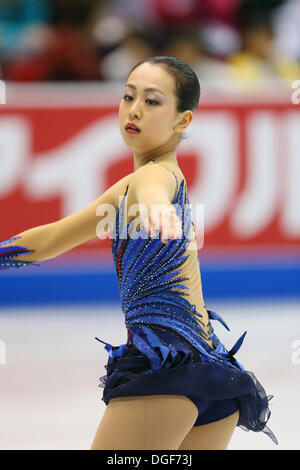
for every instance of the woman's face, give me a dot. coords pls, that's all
(152, 111)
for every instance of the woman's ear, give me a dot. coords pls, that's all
(184, 121)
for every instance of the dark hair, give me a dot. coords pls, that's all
(187, 86)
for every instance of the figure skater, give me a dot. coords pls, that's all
(173, 384)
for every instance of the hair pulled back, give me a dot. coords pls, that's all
(187, 86)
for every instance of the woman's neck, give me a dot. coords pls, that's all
(166, 152)
(166, 157)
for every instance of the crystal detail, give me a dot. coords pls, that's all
(151, 288)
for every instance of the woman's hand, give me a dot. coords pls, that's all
(163, 217)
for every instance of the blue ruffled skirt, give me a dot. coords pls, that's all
(156, 360)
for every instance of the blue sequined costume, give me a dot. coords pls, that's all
(165, 352)
(7, 254)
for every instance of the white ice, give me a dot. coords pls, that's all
(50, 364)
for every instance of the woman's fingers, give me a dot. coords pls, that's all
(168, 227)
(166, 221)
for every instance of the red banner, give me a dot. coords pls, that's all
(241, 162)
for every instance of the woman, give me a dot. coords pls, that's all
(173, 384)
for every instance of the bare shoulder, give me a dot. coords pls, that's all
(157, 175)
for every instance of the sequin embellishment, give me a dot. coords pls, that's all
(12, 251)
(150, 292)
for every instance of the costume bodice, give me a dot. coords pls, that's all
(157, 281)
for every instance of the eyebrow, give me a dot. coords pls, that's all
(130, 85)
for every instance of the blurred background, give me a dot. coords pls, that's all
(64, 64)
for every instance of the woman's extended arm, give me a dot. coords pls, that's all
(154, 188)
(51, 240)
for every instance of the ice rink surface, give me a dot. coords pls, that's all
(51, 363)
